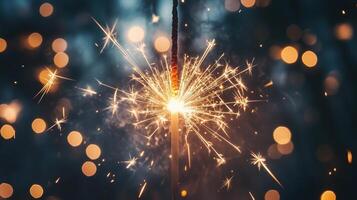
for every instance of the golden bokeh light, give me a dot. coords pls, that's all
(136, 34)
(275, 52)
(36, 191)
(183, 193)
(59, 45)
(43, 76)
(286, 149)
(344, 31)
(89, 168)
(10, 112)
(248, 3)
(289, 55)
(328, 195)
(282, 135)
(309, 58)
(7, 131)
(294, 32)
(332, 84)
(61, 59)
(349, 157)
(46, 9)
(93, 151)
(272, 195)
(38, 125)
(74, 138)
(34, 40)
(310, 39)
(232, 5)
(162, 44)
(6, 190)
(3, 45)
(273, 152)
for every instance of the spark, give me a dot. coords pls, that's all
(110, 33)
(87, 91)
(142, 189)
(155, 18)
(227, 183)
(349, 156)
(58, 122)
(259, 160)
(251, 195)
(270, 83)
(50, 81)
(208, 96)
(57, 180)
(131, 162)
(114, 104)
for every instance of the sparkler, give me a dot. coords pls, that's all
(199, 102)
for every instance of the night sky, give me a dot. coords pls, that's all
(305, 58)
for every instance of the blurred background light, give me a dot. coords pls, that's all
(89, 168)
(34, 40)
(38, 125)
(3, 45)
(289, 55)
(74, 138)
(46, 9)
(59, 45)
(7, 131)
(309, 58)
(36, 191)
(162, 44)
(136, 34)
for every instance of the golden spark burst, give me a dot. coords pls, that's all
(142, 189)
(131, 162)
(251, 196)
(87, 91)
(227, 183)
(58, 122)
(259, 161)
(207, 98)
(50, 81)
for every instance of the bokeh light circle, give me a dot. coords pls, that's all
(162, 44)
(328, 195)
(89, 168)
(36, 191)
(7, 131)
(6, 190)
(3, 45)
(309, 58)
(38, 125)
(289, 55)
(136, 34)
(93, 151)
(74, 138)
(46, 9)
(282, 135)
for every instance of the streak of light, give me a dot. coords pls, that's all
(50, 81)
(251, 195)
(227, 183)
(87, 91)
(142, 189)
(58, 122)
(259, 160)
